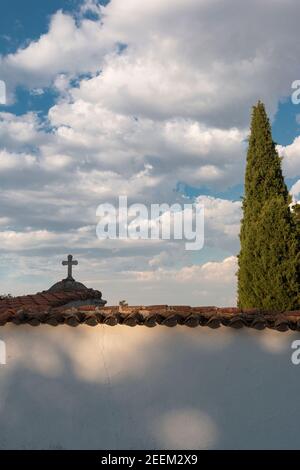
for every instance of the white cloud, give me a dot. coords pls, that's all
(198, 59)
(177, 149)
(291, 160)
(9, 161)
(222, 222)
(295, 191)
(211, 283)
(18, 131)
(56, 162)
(212, 271)
(216, 272)
(67, 47)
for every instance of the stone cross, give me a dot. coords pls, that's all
(70, 263)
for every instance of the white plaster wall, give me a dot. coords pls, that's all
(140, 388)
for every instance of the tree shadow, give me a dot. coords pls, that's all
(123, 388)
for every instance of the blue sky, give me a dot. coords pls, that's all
(161, 119)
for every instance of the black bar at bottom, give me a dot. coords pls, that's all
(139, 459)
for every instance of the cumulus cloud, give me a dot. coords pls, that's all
(196, 59)
(222, 222)
(211, 283)
(291, 160)
(295, 191)
(67, 47)
(179, 149)
(10, 161)
(20, 132)
(218, 272)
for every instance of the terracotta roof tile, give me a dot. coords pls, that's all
(44, 300)
(55, 309)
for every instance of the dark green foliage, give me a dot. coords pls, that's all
(296, 211)
(269, 260)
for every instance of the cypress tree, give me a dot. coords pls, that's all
(269, 259)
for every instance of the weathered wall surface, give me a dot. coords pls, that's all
(130, 388)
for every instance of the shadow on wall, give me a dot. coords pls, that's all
(123, 388)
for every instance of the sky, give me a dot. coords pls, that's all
(151, 100)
